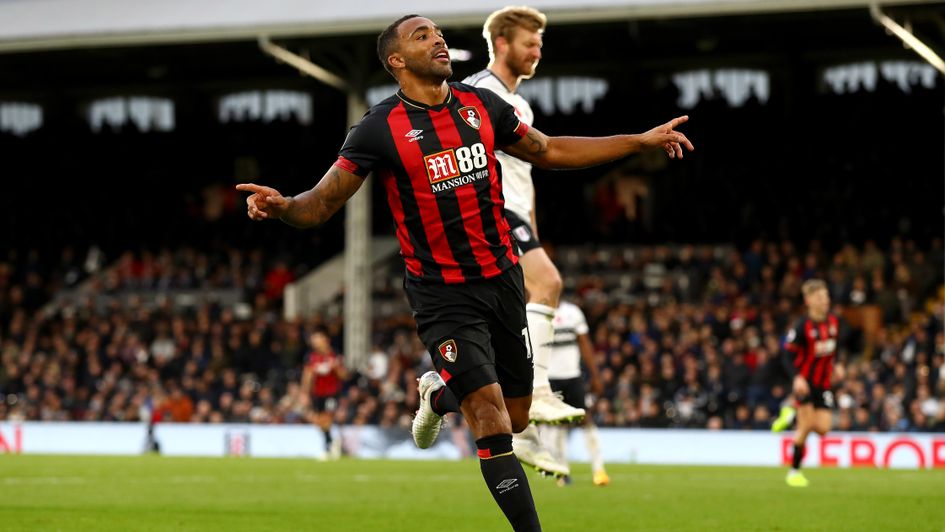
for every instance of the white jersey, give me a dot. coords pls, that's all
(565, 360)
(517, 184)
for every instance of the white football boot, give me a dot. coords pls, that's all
(426, 424)
(528, 450)
(549, 409)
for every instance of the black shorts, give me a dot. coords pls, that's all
(522, 232)
(572, 391)
(327, 403)
(820, 398)
(475, 332)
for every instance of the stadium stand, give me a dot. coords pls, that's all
(685, 336)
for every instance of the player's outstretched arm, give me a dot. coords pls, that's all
(580, 152)
(310, 208)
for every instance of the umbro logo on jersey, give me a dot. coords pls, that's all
(414, 135)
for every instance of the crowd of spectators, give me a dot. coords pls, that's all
(685, 336)
(693, 338)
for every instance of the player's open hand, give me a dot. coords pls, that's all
(666, 137)
(264, 202)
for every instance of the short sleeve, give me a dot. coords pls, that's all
(361, 150)
(795, 339)
(580, 322)
(508, 128)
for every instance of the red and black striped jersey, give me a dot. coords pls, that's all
(443, 181)
(813, 345)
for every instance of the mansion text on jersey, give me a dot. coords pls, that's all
(450, 184)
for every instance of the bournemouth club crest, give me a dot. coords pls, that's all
(470, 115)
(448, 350)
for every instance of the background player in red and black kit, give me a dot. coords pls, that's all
(321, 378)
(433, 146)
(810, 350)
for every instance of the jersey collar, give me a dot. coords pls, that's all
(496, 76)
(420, 105)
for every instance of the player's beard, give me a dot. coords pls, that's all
(521, 67)
(430, 69)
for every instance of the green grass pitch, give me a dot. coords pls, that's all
(161, 493)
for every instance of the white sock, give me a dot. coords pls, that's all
(541, 332)
(593, 447)
(561, 443)
(548, 436)
(551, 438)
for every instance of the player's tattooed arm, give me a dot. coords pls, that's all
(314, 207)
(310, 208)
(538, 142)
(580, 152)
(533, 147)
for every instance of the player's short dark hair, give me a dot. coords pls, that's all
(387, 41)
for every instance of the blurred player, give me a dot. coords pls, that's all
(322, 376)
(571, 345)
(810, 350)
(514, 37)
(433, 145)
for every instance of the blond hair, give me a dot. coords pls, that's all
(503, 22)
(812, 285)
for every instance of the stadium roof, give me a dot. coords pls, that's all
(27, 25)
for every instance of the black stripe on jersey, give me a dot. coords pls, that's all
(421, 247)
(563, 343)
(450, 214)
(490, 225)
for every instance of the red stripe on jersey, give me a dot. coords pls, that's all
(347, 166)
(817, 372)
(808, 353)
(488, 140)
(412, 159)
(484, 453)
(445, 375)
(835, 325)
(397, 209)
(466, 196)
(823, 361)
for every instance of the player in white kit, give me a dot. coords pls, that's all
(514, 36)
(571, 345)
